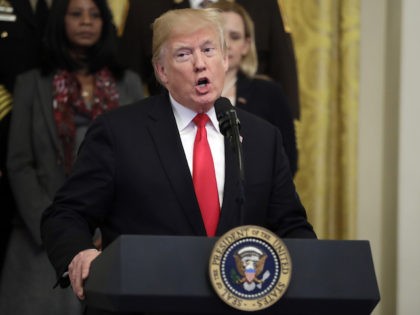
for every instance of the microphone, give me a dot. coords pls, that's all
(226, 115)
(229, 126)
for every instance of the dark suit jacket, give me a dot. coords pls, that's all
(35, 151)
(274, 45)
(267, 100)
(132, 177)
(20, 50)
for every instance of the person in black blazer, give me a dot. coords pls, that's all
(20, 50)
(133, 172)
(276, 57)
(260, 96)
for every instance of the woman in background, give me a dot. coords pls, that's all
(260, 96)
(53, 106)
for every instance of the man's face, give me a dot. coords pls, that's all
(192, 67)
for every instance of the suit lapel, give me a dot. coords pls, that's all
(44, 88)
(243, 91)
(230, 214)
(164, 132)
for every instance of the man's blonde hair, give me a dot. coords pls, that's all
(185, 21)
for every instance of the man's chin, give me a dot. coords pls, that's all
(205, 103)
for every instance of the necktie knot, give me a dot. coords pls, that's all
(201, 120)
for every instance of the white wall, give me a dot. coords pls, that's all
(371, 159)
(389, 149)
(408, 240)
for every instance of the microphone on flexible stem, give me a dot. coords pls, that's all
(229, 126)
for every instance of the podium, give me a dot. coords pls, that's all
(169, 274)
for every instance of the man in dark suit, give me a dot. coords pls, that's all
(20, 50)
(276, 56)
(136, 171)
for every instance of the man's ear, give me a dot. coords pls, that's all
(160, 72)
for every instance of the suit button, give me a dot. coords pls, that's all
(4, 34)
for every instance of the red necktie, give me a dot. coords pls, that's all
(204, 177)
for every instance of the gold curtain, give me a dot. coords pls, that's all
(326, 39)
(119, 9)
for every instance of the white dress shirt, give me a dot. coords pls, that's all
(187, 131)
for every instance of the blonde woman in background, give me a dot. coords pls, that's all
(260, 96)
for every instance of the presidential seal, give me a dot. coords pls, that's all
(250, 268)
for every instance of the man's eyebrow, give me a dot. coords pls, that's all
(178, 47)
(208, 42)
(181, 46)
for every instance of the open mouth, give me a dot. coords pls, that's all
(202, 82)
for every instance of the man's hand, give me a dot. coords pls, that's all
(79, 270)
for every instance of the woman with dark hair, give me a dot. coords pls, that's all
(53, 106)
(64, 50)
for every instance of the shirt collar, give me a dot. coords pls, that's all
(184, 115)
